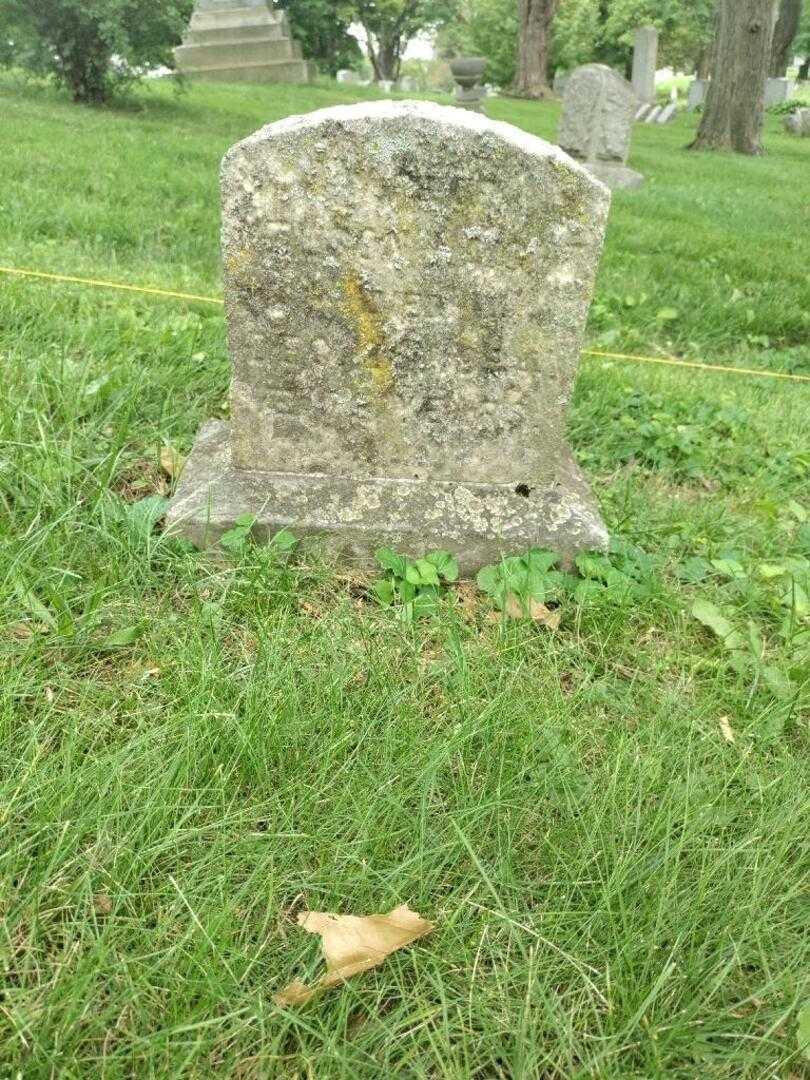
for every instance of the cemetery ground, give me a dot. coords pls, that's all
(607, 821)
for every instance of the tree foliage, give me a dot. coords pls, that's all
(486, 28)
(322, 29)
(390, 25)
(76, 41)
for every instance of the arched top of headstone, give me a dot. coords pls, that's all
(368, 114)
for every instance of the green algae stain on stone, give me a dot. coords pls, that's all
(368, 331)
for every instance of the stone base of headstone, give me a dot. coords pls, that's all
(352, 517)
(241, 41)
(615, 175)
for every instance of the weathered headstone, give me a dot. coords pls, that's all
(668, 113)
(406, 289)
(697, 93)
(597, 122)
(645, 57)
(406, 84)
(653, 114)
(778, 90)
(798, 122)
(346, 75)
(642, 111)
(240, 41)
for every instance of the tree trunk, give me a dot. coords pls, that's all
(384, 54)
(536, 17)
(735, 103)
(787, 26)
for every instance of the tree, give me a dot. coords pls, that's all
(91, 46)
(734, 112)
(802, 42)
(784, 34)
(535, 17)
(322, 29)
(390, 25)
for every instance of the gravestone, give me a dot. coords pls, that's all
(406, 289)
(598, 111)
(697, 93)
(642, 111)
(778, 90)
(240, 41)
(668, 113)
(645, 57)
(798, 122)
(653, 114)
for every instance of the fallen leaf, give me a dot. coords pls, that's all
(726, 730)
(102, 904)
(514, 608)
(353, 943)
(171, 461)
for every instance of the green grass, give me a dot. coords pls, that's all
(619, 892)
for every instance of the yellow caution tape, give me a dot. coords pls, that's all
(667, 360)
(672, 362)
(110, 285)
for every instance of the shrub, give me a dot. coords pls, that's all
(91, 46)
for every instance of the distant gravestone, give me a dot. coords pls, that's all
(406, 289)
(798, 122)
(697, 93)
(645, 58)
(653, 114)
(668, 113)
(597, 122)
(642, 111)
(778, 90)
(407, 84)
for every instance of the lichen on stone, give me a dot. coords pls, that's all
(368, 330)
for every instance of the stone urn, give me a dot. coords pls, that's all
(467, 72)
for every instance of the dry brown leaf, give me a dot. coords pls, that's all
(353, 943)
(726, 730)
(533, 609)
(102, 903)
(171, 461)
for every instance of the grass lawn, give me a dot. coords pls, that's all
(608, 823)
